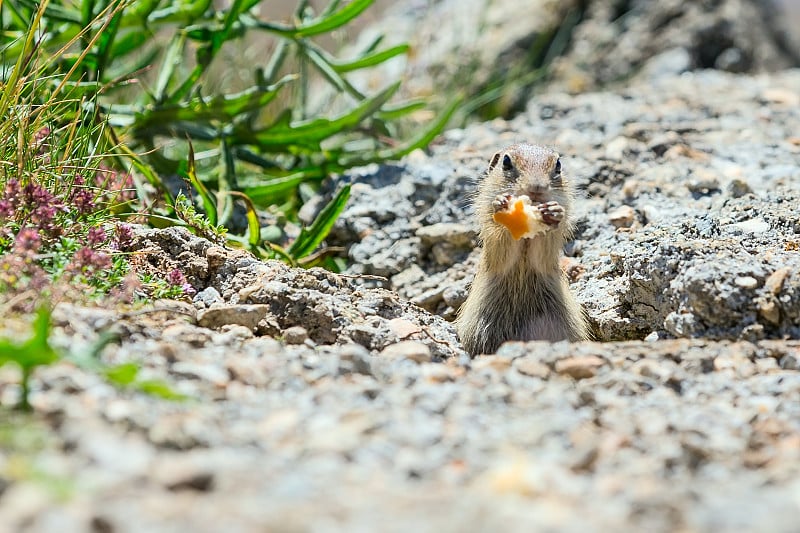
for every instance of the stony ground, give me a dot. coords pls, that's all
(324, 402)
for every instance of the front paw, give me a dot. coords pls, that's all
(552, 213)
(501, 202)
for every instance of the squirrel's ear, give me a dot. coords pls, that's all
(494, 160)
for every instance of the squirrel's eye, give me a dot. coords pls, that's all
(507, 163)
(557, 169)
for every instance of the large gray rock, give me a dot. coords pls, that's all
(619, 40)
(497, 47)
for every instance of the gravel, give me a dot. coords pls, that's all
(319, 402)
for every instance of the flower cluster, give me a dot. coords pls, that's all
(30, 204)
(19, 269)
(58, 240)
(82, 197)
(176, 278)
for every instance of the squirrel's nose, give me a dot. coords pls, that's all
(536, 190)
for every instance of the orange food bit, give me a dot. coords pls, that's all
(514, 219)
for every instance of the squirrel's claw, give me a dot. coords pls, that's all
(501, 202)
(552, 213)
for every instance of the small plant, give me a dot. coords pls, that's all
(36, 352)
(32, 353)
(60, 187)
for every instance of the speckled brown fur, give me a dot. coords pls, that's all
(520, 291)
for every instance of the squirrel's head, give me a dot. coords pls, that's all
(528, 169)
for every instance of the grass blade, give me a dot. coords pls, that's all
(253, 226)
(172, 58)
(10, 94)
(199, 111)
(54, 12)
(393, 112)
(322, 25)
(312, 236)
(209, 205)
(370, 60)
(275, 188)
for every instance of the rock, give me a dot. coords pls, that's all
(295, 335)
(458, 235)
(247, 315)
(411, 350)
(663, 39)
(354, 358)
(530, 366)
(580, 367)
(775, 281)
(622, 217)
(754, 225)
(211, 372)
(489, 39)
(746, 282)
(207, 297)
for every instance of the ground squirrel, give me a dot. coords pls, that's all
(520, 291)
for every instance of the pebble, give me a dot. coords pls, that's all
(354, 358)
(499, 364)
(412, 350)
(776, 280)
(247, 315)
(622, 217)
(208, 297)
(184, 473)
(615, 148)
(753, 225)
(530, 366)
(770, 311)
(295, 335)
(703, 181)
(746, 282)
(580, 367)
(403, 328)
(455, 234)
(210, 372)
(738, 188)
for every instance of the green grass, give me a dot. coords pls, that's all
(259, 145)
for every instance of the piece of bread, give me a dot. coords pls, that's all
(521, 219)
